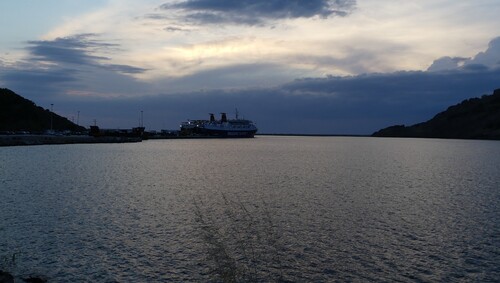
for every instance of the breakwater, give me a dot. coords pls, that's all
(17, 140)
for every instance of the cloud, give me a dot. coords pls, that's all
(237, 76)
(71, 50)
(447, 63)
(40, 76)
(126, 69)
(77, 50)
(483, 60)
(489, 58)
(54, 68)
(176, 29)
(255, 12)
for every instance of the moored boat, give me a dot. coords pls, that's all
(224, 128)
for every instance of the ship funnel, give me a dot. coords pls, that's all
(212, 118)
(223, 118)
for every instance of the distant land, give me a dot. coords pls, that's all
(475, 118)
(20, 114)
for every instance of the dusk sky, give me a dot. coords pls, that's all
(310, 66)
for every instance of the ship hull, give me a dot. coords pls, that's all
(228, 134)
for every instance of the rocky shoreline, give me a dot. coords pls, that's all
(19, 140)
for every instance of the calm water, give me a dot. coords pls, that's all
(266, 209)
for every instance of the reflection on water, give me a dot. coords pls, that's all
(269, 208)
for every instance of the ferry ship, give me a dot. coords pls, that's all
(224, 128)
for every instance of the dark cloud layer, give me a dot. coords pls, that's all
(32, 80)
(71, 50)
(124, 69)
(333, 105)
(54, 66)
(253, 12)
(342, 105)
(77, 51)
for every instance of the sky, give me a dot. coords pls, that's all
(291, 66)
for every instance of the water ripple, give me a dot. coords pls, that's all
(272, 209)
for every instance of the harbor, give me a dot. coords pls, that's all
(191, 129)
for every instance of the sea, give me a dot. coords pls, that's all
(268, 209)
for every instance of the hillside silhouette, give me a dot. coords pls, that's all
(20, 114)
(475, 118)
